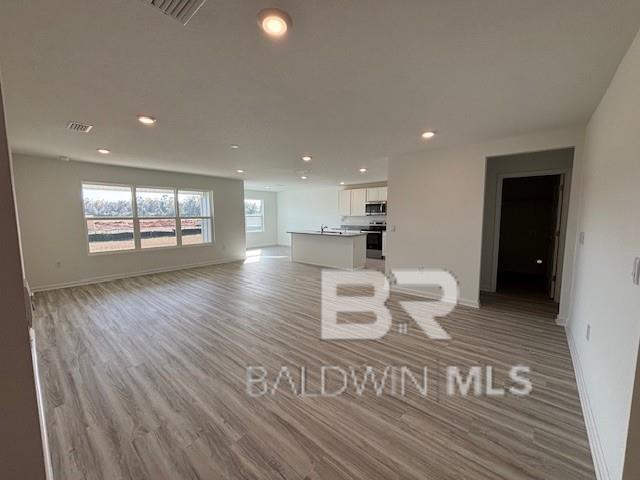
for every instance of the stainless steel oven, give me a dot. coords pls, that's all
(375, 208)
(374, 244)
(374, 240)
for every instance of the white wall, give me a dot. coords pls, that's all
(604, 296)
(49, 200)
(528, 162)
(632, 459)
(436, 207)
(270, 234)
(306, 210)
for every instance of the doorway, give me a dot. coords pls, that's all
(529, 235)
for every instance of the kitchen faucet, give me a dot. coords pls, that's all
(323, 227)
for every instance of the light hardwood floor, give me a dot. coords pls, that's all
(144, 378)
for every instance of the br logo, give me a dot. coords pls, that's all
(424, 313)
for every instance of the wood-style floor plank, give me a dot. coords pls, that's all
(144, 379)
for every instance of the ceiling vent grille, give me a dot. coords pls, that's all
(180, 10)
(79, 127)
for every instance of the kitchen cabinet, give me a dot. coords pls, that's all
(344, 203)
(377, 194)
(352, 202)
(358, 200)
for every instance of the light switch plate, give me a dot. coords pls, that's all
(636, 271)
(581, 238)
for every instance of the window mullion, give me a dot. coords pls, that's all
(177, 218)
(136, 221)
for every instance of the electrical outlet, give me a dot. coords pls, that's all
(58, 264)
(588, 332)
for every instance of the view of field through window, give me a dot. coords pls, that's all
(111, 223)
(254, 215)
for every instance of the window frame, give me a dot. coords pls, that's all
(137, 238)
(179, 216)
(261, 200)
(137, 235)
(86, 219)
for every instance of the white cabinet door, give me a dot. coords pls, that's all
(344, 203)
(377, 194)
(358, 200)
(373, 194)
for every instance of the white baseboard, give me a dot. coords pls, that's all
(423, 294)
(43, 424)
(118, 276)
(561, 321)
(597, 452)
(262, 245)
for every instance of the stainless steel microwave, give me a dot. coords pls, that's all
(375, 208)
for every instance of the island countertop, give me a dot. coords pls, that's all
(330, 233)
(345, 249)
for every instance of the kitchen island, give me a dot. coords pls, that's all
(346, 250)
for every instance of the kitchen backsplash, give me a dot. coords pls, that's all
(363, 220)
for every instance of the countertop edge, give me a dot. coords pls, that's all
(330, 234)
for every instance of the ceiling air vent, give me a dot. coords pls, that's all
(180, 10)
(79, 127)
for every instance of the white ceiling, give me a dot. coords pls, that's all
(354, 83)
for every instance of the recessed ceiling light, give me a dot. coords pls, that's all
(146, 120)
(307, 158)
(303, 177)
(240, 171)
(428, 134)
(341, 183)
(274, 22)
(104, 151)
(362, 170)
(235, 146)
(267, 187)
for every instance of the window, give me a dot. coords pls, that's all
(159, 217)
(108, 212)
(254, 215)
(195, 217)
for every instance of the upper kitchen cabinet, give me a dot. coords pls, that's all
(377, 194)
(352, 202)
(344, 203)
(358, 200)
